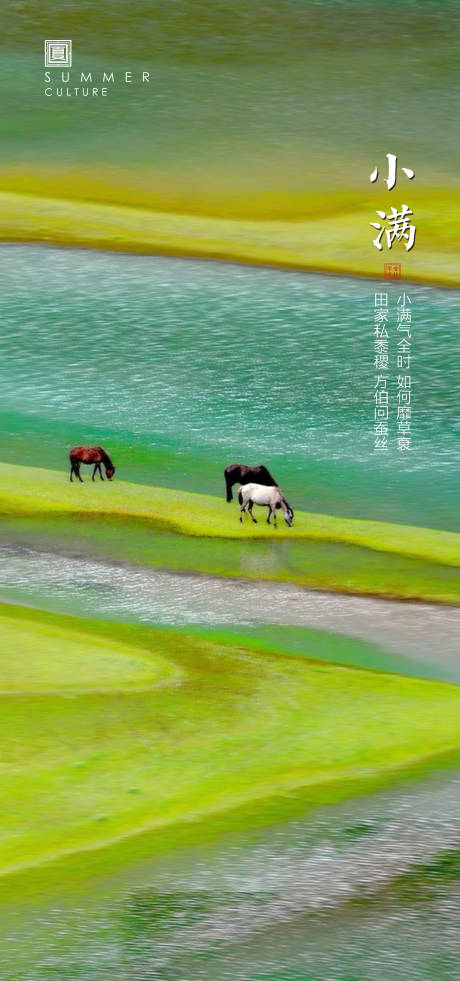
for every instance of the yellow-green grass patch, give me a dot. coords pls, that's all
(40, 657)
(239, 726)
(32, 491)
(322, 231)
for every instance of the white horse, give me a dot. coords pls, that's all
(268, 497)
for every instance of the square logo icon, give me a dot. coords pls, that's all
(392, 270)
(58, 54)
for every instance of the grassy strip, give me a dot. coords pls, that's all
(332, 236)
(226, 728)
(329, 566)
(28, 491)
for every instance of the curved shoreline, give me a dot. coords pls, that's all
(421, 735)
(204, 516)
(174, 252)
(188, 532)
(399, 637)
(311, 245)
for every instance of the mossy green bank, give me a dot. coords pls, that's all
(198, 533)
(327, 237)
(193, 727)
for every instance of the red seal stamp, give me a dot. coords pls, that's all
(392, 270)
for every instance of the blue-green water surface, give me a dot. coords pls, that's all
(179, 367)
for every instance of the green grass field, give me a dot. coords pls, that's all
(110, 730)
(33, 491)
(177, 530)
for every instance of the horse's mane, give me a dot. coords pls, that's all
(106, 459)
(266, 473)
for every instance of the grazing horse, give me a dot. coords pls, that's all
(239, 473)
(92, 455)
(269, 497)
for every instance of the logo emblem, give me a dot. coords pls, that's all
(58, 54)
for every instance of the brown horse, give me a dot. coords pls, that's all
(91, 455)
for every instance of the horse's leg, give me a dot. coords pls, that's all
(269, 513)
(94, 471)
(242, 511)
(77, 471)
(71, 472)
(100, 472)
(250, 507)
(274, 518)
(229, 486)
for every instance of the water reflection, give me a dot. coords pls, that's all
(315, 899)
(425, 633)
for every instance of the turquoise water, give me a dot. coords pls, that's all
(181, 366)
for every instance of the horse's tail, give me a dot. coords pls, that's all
(240, 496)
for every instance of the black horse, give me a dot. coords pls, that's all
(239, 473)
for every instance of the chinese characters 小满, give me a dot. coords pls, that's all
(398, 227)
